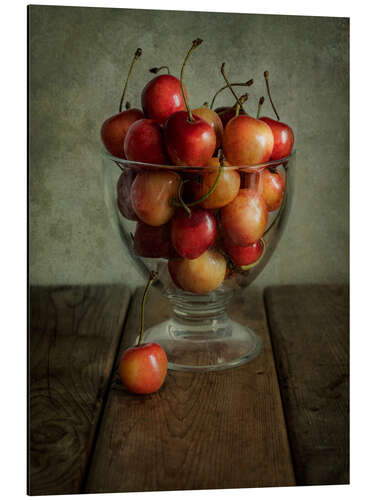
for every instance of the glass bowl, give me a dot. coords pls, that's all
(199, 336)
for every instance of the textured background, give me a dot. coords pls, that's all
(78, 58)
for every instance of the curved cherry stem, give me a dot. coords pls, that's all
(266, 75)
(195, 44)
(230, 86)
(242, 99)
(244, 84)
(152, 278)
(181, 203)
(260, 104)
(137, 55)
(156, 70)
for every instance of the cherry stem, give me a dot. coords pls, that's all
(127, 105)
(156, 70)
(244, 84)
(230, 86)
(152, 278)
(195, 44)
(242, 99)
(181, 203)
(266, 74)
(137, 55)
(260, 104)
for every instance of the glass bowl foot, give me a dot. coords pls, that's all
(218, 346)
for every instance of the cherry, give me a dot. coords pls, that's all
(243, 256)
(162, 97)
(283, 138)
(247, 141)
(144, 143)
(152, 242)
(115, 128)
(192, 235)
(143, 367)
(244, 220)
(226, 189)
(273, 188)
(124, 185)
(189, 139)
(201, 275)
(282, 133)
(151, 193)
(212, 119)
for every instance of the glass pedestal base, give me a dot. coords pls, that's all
(215, 343)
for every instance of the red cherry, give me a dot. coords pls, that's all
(143, 368)
(283, 138)
(124, 202)
(243, 256)
(192, 235)
(188, 142)
(162, 97)
(115, 128)
(152, 242)
(144, 143)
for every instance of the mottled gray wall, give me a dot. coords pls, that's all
(78, 59)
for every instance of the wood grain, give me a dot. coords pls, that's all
(200, 431)
(73, 340)
(310, 334)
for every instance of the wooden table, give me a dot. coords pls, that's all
(279, 420)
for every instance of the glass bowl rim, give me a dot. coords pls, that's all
(247, 168)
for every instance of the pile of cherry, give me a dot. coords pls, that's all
(207, 222)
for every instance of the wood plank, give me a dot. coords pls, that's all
(310, 334)
(201, 430)
(73, 339)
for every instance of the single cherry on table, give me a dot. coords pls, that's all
(143, 367)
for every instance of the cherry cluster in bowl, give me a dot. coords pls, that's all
(208, 218)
